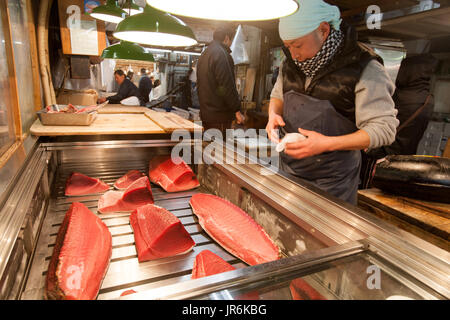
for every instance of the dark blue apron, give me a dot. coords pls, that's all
(336, 172)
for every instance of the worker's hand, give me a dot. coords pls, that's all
(275, 121)
(101, 100)
(240, 118)
(315, 144)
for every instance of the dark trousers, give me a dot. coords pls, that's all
(222, 126)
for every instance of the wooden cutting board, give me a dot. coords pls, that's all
(104, 124)
(118, 108)
(171, 121)
(413, 215)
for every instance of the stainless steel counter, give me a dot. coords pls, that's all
(323, 240)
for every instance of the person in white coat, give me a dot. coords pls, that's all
(155, 94)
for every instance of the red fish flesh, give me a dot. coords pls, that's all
(81, 256)
(170, 176)
(70, 108)
(79, 184)
(234, 229)
(88, 109)
(125, 181)
(127, 292)
(158, 233)
(301, 290)
(139, 193)
(208, 263)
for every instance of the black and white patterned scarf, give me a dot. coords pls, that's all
(331, 46)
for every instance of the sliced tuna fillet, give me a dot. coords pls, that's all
(170, 176)
(158, 233)
(79, 184)
(301, 290)
(127, 292)
(81, 256)
(208, 263)
(87, 109)
(125, 181)
(139, 193)
(233, 229)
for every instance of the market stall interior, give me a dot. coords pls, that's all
(91, 207)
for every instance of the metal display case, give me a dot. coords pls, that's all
(338, 250)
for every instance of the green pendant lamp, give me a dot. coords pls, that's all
(127, 51)
(157, 28)
(133, 9)
(235, 10)
(110, 12)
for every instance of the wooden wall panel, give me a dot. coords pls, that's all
(34, 57)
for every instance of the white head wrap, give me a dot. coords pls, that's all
(310, 15)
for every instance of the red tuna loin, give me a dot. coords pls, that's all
(158, 233)
(127, 292)
(139, 193)
(81, 256)
(233, 229)
(125, 181)
(170, 176)
(301, 290)
(208, 263)
(79, 184)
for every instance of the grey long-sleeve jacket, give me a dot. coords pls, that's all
(375, 111)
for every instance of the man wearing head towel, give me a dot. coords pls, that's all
(334, 91)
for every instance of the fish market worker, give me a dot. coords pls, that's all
(128, 93)
(336, 92)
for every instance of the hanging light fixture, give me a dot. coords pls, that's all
(132, 8)
(110, 12)
(157, 28)
(127, 51)
(235, 10)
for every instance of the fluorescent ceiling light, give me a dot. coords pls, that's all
(189, 53)
(157, 28)
(158, 50)
(236, 10)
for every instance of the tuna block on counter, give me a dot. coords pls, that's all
(173, 175)
(80, 257)
(158, 233)
(208, 263)
(234, 229)
(139, 193)
(125, 181)
(301, 290)
(79, 185)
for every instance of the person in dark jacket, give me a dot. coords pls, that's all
(217, 93)
(145, 86)
(186, 97)
(414, 102)
(126, 89)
